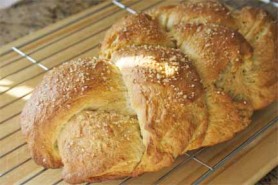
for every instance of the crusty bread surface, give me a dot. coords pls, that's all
(167, 81)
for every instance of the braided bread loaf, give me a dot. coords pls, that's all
(175, 79)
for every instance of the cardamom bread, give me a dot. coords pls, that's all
(167, 81)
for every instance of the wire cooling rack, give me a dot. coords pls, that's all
(195, 156)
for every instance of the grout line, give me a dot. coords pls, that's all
(18, 165)
(14, 115)
(30, 178)
(9, 134)
(3, 155)
(57, 182)
(17, 99)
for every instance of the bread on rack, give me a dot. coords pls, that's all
(171, 80)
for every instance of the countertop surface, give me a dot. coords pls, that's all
(28, 16)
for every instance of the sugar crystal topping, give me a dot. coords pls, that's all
(169, 68)
(59, 84)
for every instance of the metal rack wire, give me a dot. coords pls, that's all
(187, 157)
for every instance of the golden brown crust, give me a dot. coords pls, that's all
(226, 117)
(147, 103)
(163, 87)
(138, 29)
(212, 48)
(201, 12)
(71, 87)
(97, 143)
(257, 38)
(260, 31)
